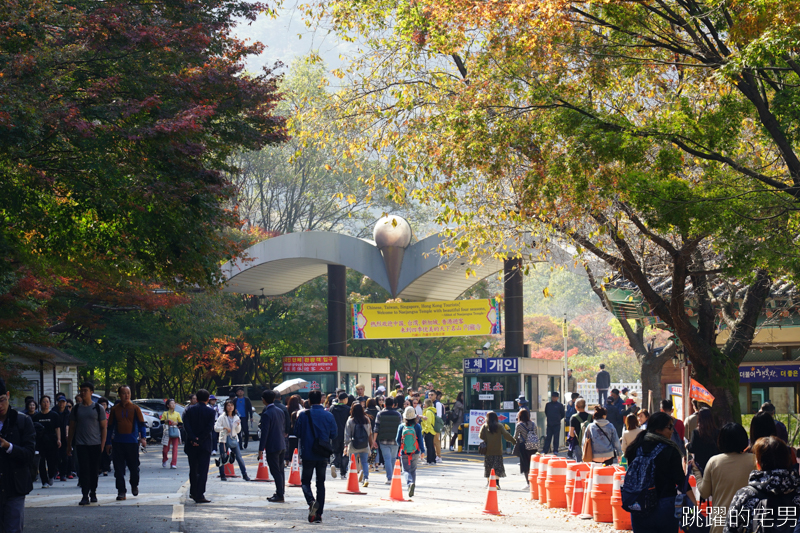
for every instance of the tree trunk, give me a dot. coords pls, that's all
(652, 365)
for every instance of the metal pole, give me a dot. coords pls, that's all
(565, 388)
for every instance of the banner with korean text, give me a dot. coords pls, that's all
(460, 318)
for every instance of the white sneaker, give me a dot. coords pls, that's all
(388, 482)
(164, 464)
(438, 459)
(333, 471)
(173, 467)
(213, 453)
(45, 485)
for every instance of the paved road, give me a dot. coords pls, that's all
(449, 498)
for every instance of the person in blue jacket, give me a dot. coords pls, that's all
(312, 425)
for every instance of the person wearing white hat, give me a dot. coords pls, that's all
(412, 446)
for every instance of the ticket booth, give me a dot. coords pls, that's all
(330, 372)
(495, 383)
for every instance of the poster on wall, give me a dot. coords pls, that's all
(460, 318)
(476, 420)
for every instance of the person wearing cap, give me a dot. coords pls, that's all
(340, 412)
(245, 409)
(522, 401)
(17, 450)
(572, 383)
(398, 391)
(63, 459)
(410, 459)
(553, 413)
(623, 393)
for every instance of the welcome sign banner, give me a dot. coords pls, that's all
(459, 318)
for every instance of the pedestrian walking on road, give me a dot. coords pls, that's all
(105, 457)
(386, 424)
(198, 421)
(456, 418)
(340, 412)
(359, 440)
(602, 438)
(17, 450)
(602, 382)
(554, 413)
(772, 493)
(668, 474)
(729, 471)
(526, 436)
(492, 433)
(127, 432)
(293, 406)
(577, 426)
(86, 436)
(245, 409)
(428, 419)
(172, 434)
(412, 446)
(286, 428)
(316, 429)
(49, 443)
(228, 427)
(273, 424)
(63, 415)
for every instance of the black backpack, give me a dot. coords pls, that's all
(639, 491)
(360, 437)
(766, 517)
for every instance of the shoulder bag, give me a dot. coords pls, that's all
(587, 455)
(321, 447)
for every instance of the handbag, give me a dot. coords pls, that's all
(482, 448)
(587, 455)
(174, 432)
(321, 447)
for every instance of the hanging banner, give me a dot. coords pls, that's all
(460, 318)
(314, 363)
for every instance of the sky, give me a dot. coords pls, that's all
(287, 38)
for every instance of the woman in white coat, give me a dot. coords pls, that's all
(228, 426)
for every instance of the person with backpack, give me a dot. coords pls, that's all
(340, 412)
(412, 446)
(492, 433)
(577, 427)
(17, 455)
(600, 440)
(386, 424)
(316, 429)
(49, 442)
(86, 436)
(358, 440)
(655, 472)
(526, 436)
(729, 471)
(772, 493)
(428, 419)
(456, 418)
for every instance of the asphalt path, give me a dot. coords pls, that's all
(449, 497)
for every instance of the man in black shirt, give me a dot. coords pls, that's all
(49, 443)
(17, 449)
(602, 383)
(63, 414)
(554, 414)
(576, 428)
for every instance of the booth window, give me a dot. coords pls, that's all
(503, 389)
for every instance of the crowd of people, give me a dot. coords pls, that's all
(749, 480)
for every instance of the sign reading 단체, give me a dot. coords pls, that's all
(460, 318)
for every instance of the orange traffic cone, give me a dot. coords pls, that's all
(587, 509)
(396, 490)
(294, 474)
(577, 494)
(352, 478)
(263, 469)
(491, 496)
(229, 470)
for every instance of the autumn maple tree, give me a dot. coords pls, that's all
(657, 137)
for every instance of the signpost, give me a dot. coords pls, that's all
(460, 318)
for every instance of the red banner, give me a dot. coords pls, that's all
(313, 363)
